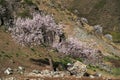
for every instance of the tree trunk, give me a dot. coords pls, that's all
(51, 63)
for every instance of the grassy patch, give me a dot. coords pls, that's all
(29, 2)
(62, 63)
(116, 71)
(100, 4)
(4, 28)
(3, 55)
(25, 14)
(91, 67)
(108, 58)
(66, 60)
(79, 59)
(116, 36)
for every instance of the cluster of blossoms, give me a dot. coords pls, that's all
(42, 29)
(76, 48)
(39, 29)
(79, 49)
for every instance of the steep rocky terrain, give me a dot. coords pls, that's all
(103, 12)
(98, 53)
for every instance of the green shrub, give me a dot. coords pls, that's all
(29, 2)
(25, 14)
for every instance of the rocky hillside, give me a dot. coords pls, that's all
(33, 32)
(102, 12)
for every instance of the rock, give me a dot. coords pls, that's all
(91, 76)
(69, 64)
(36, 71)
(97, 74)
(98, 29)
(46, 73)
(84, 20)
(40, 79)
(10, 78)
(2, 10)
(59, 74)
(109, 37)
(8, 71)
(21, 68)
(78, 69)
(56, 76)
(64, 73)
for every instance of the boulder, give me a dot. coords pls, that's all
(8, 71)
(91, 76)
(46, 73)
(109, 37)
(21, 68)
(84, 20)
(98, 29)
(78, 69)
(97, 74)
(36, 71)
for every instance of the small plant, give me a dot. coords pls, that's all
(79, 59)
(25, 14)
(17, 54)
(29, 2)
(32, 49)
